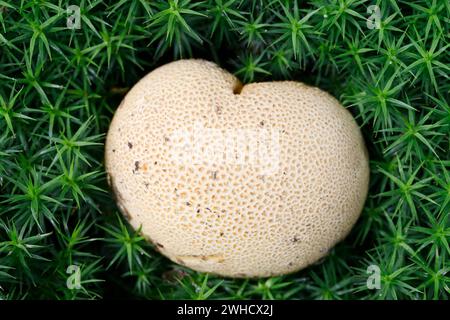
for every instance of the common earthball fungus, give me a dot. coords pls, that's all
(238, 180)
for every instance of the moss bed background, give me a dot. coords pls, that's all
(59, 88)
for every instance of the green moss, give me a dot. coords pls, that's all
(59, 88)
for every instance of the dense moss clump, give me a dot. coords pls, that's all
(65, 68)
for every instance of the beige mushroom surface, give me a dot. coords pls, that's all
(241, 181)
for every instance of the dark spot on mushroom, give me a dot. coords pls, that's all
(156, 162)
(114, 150)
(198, 210)
(166, 139)
(130, 145)
(295, 239)
(208, 209)
(188, 204)
(221, 234)
(261, 123)
(238, 88)
(159, 245)
(146, 184)
(136, 165)
(194, 258)
(290, 264)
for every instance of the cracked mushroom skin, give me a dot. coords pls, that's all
(236, 215)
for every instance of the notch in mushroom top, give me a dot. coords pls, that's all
(241, 181)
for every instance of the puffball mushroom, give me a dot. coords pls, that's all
(238, 180)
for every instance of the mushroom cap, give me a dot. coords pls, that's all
(241, 181)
